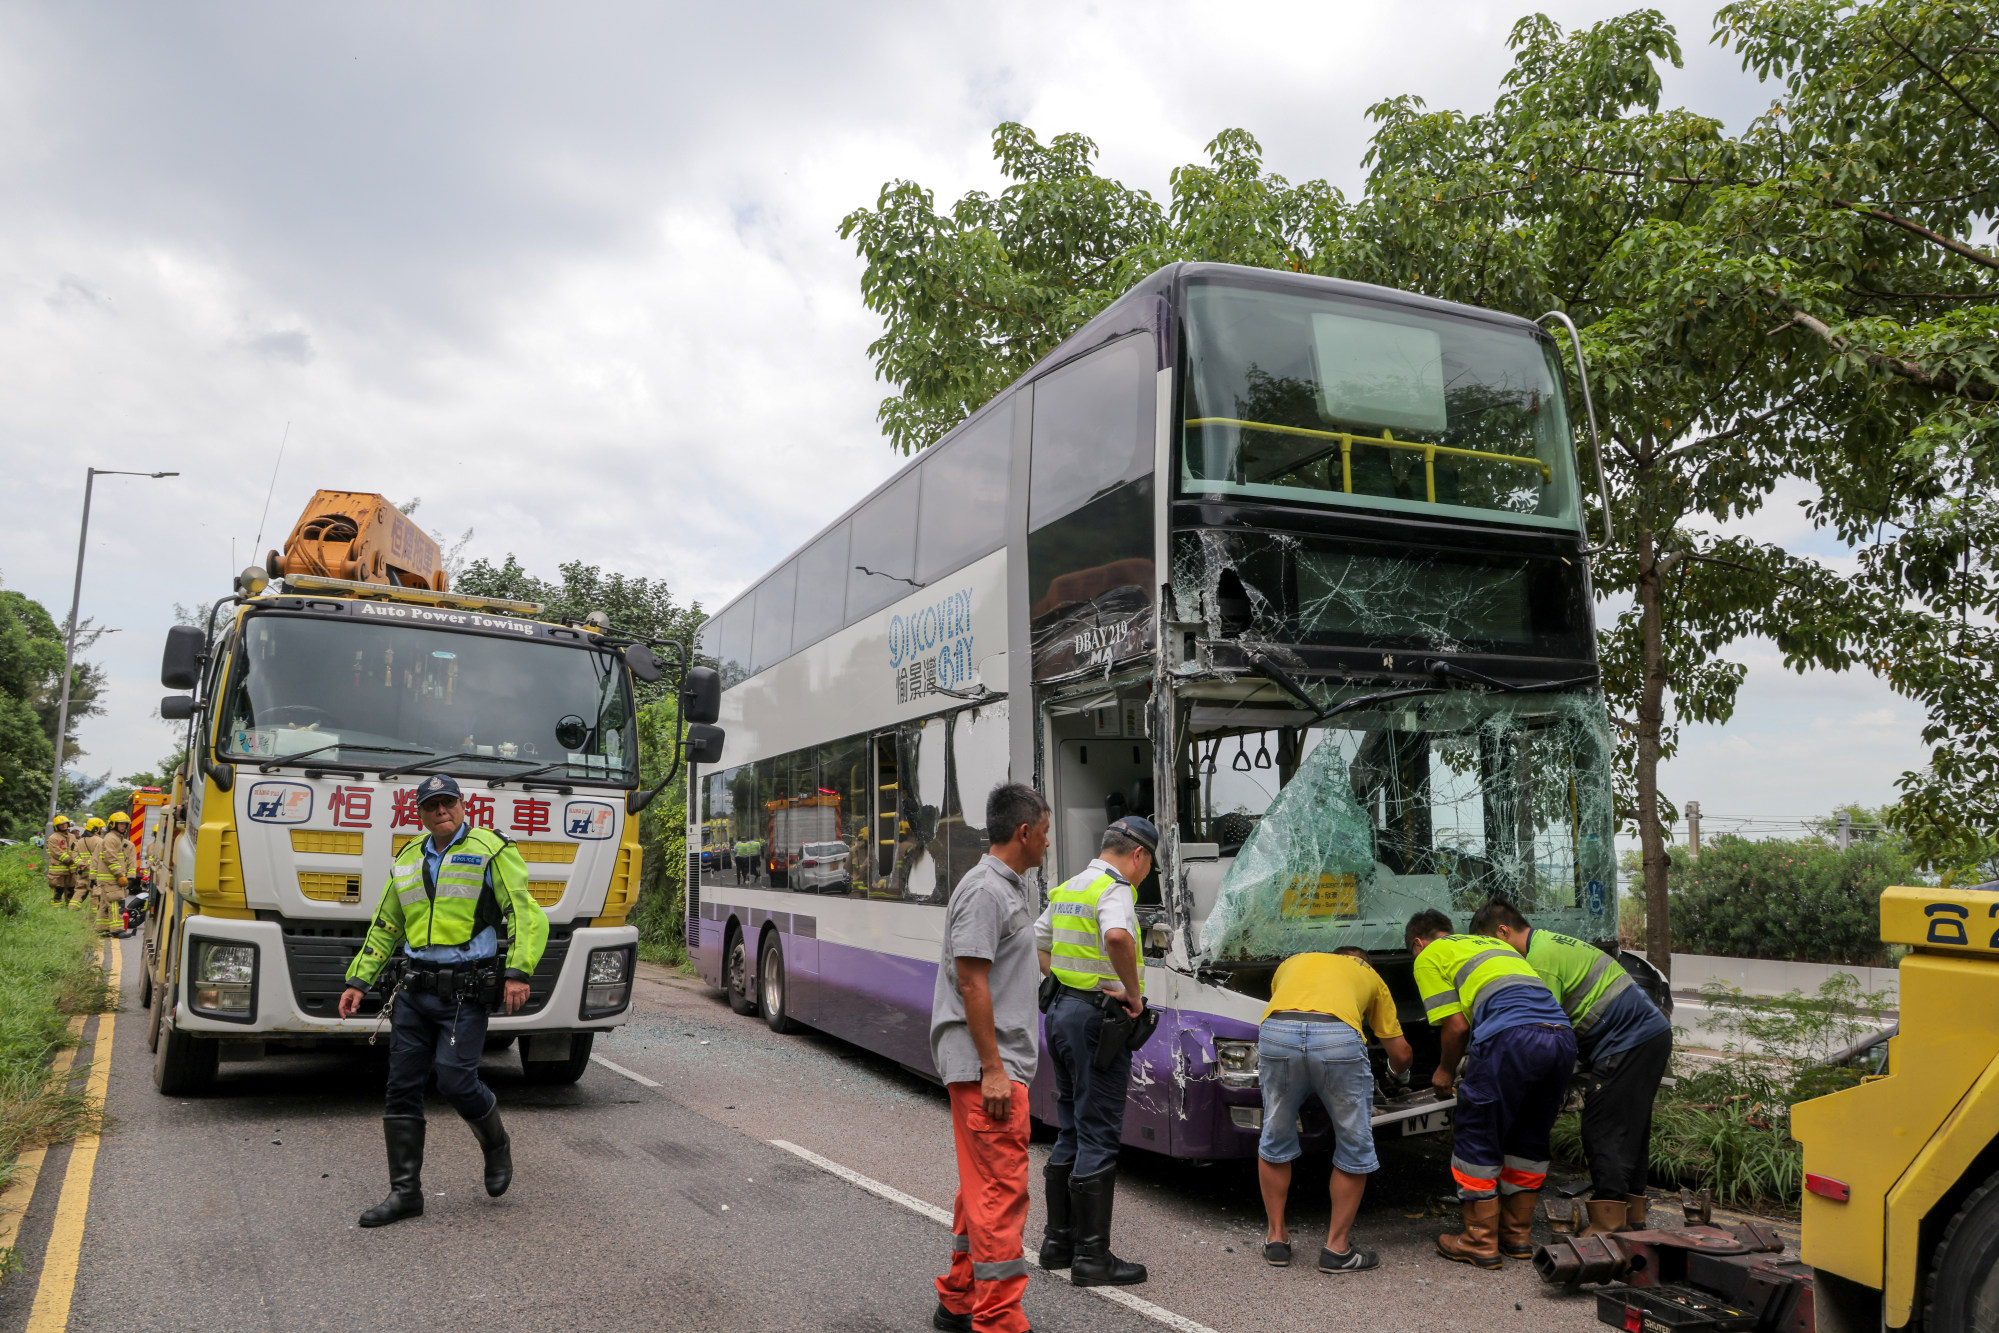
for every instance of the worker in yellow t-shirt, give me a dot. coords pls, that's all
(1311, 1042)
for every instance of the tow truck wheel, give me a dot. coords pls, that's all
(1963, 1294)
(771, 990)
(145, 984)
(545, 1073)
(153, 1027)
(736, 975)
(184, 1065)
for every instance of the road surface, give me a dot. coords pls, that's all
(706, 1173)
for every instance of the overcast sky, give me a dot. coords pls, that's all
(572, 274)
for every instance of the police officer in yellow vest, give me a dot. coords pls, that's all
(1088, 941)
(448, 895)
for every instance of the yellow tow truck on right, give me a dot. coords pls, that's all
(1901, 1205)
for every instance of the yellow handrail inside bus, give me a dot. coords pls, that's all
(1346, 440)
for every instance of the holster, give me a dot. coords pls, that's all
(1122, 1034)
(1050, 988)
(479, 983)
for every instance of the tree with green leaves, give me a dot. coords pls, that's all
(1575, 192)
(31, 657)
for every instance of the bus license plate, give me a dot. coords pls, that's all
(1432, 1123)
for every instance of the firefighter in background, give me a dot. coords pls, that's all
(58, 853)
(107, 879)
(83, 862)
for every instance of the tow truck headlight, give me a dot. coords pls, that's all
(223, 982)
(1235, 1063)
(607, 981)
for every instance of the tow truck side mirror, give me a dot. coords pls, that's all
(177, 707)
(180, 666)
(643, 664)
(704, 744)
(701, 696)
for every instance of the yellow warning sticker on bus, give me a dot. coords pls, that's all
(1327, 895)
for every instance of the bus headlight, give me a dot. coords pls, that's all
(223, 982)
(607, 981)
(1235, 1063)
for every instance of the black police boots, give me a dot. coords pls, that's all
(1058, 1245)
(404, 1136)
(1090, 1199)
(498, 1147)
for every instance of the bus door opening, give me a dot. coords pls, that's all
(1101, 774)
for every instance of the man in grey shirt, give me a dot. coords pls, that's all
(984, 1025)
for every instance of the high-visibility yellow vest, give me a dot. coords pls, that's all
(1078, 954)
(448, 911)
(1453, 972)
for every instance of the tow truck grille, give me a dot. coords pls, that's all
(317, 957)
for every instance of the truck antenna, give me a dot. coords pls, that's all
(257, 544)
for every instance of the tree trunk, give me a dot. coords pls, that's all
(1651, 715)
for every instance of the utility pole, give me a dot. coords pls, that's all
(1845, 829)
(1693, 828)
(90, 476)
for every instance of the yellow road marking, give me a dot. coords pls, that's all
(58, 1280)
(14, 1199)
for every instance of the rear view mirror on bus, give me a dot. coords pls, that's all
(643, 664)
(701, 696)
(180, 667)
(177, 707)
(704, 744)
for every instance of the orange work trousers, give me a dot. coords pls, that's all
(988, 1268)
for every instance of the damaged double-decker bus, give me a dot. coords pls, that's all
(1295, 567)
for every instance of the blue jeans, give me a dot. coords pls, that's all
(1294, 1060)
(1089, 1103)
(421, 1038)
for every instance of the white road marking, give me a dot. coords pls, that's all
(1115, 1295)
(615, 1068)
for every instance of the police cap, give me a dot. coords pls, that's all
(1141, 831)
(435, 787)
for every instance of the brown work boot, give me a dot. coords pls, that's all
(1478, 1243)
(1634, 1213)
(1605, 1217)
(1516, 1224)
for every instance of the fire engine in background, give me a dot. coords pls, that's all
(315, 706)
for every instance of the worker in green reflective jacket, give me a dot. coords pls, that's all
(449, 894)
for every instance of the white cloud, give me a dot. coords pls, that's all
(570, 274)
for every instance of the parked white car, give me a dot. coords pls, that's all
(822, 866)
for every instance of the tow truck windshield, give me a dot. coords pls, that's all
(401, 698)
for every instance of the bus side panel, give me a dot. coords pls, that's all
(877, 1000)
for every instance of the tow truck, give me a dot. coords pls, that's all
(1901, 1205)
(317, 696)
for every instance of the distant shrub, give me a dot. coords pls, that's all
(1803, 901)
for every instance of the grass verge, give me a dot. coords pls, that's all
(48, 972)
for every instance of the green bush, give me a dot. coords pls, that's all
(1803, 900)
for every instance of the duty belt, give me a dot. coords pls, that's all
(477, 981)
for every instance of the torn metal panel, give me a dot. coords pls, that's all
(1437, 802)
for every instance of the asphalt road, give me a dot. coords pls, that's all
(668, 1207)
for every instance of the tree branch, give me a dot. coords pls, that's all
(1972, 253)
(1938, 75)
(1723, 437)
(1962, 386)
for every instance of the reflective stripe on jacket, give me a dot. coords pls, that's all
(60, 853)
(1453, 973)
(485, 868)
(1078, 954)
(1582, 976)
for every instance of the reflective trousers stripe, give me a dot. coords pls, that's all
(997, 1272)
(1520, 1177)
(961, 1244)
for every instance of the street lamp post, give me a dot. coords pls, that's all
(90, 477)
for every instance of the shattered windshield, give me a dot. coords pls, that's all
(1340, 832)
(1293, 397)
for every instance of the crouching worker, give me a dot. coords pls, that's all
(1623, 1045)
(1516, 1072)
(447, 897)
(1311, 1042)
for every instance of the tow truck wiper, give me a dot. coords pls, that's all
(426, 765)
(273, 765)
(1440, 670)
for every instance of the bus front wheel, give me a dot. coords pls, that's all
(736, 978)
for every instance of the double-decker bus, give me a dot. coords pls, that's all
(1295, 567)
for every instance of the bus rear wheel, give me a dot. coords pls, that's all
(736, 980)
(774, 995)
(1964, 1278)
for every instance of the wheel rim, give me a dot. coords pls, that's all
(739, 969)
(773, 982)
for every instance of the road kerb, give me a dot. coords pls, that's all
(1115, 1295)
(56, 1287)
